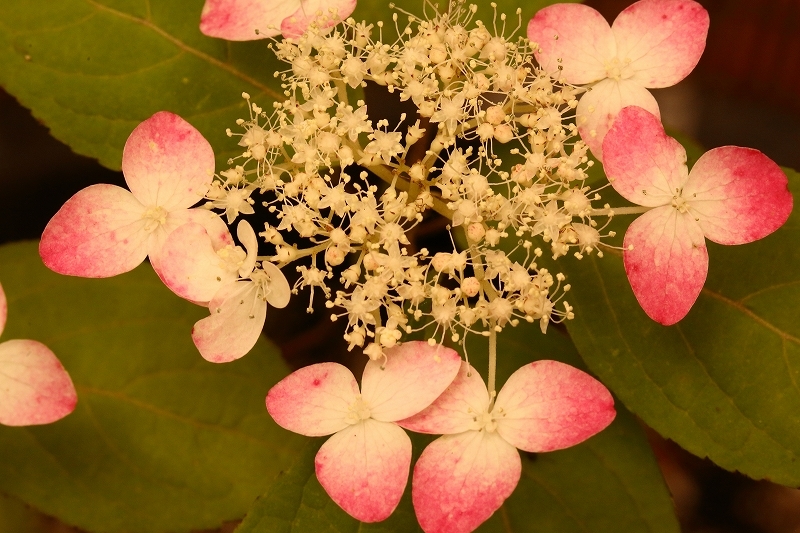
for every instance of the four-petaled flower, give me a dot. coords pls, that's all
(247, 20)
(34, 387)
(463, 477)
(731, 196)
(652, 44)
(227, 281)
(105, 230)
(364, 466)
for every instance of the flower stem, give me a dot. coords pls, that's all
(637, 210)
(492, 360)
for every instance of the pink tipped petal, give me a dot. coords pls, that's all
(215, 226)
(244, 20)
(661, 40)
(329, 13)
(454, 411)
(548, 405)
(34, 387)
(413, 375)
(364, 468)
(642, 163)
(190, 266)
(738, 195)
(668, 263)
(237, 318)
(315, 400)
(575, 37)
(167, 162)
(3, 309)
(461, 480)
(248, 239)
(598, 108)
(279, 290)
(99, 232)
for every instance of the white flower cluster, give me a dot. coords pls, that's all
(494, 148)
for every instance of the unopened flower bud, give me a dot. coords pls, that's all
(470, 286)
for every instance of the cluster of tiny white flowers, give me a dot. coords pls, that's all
(493, 148)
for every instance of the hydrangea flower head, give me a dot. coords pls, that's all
(364, 466)
(463, 477)
(732, 195)
(34, 387)
(652, 44)
(105, 230)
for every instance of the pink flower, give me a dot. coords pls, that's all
(732, 196)
(105, 230)
(463, 477)
(246, 20)
(652, 44)
(227, 281)
(364, 465)
(34, 387)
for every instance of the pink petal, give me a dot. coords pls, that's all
(332, 11)
(413, 375)
(598, 108)
(97, 233)
(642, 163)
(245, 20)
(737, 195)
(668, 263)
(314, 400)
(548, 405)
(167, 162)
(217, 231)
(364, 468)
(3, 309)
(455, 410)
(461, 480)
(34, 387)
(189, 265)
(578, 36)
(237, 318)
(663, 39)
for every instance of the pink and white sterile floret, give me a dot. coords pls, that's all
(732, 195)
(463, 477)
(364, 466)
(247, 20)
(34, 387)
(652, 44)
(105, 230)
(230, 281)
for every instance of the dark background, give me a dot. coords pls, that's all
(745, 91)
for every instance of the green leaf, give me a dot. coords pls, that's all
(161, 440)
(607, 484)
(723, 382)
(91, 70)
(16, 517)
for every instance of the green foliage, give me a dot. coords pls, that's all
(161, 440)
(723, 382)
(607, 484)
(91, 70)
(16, 517)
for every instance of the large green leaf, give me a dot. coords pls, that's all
(723, 382)
(91, 70)
(161, 440)
(16, 517)
(608, 484)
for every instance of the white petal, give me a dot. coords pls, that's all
(237, 318)
(413, 375)
(248, 238)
